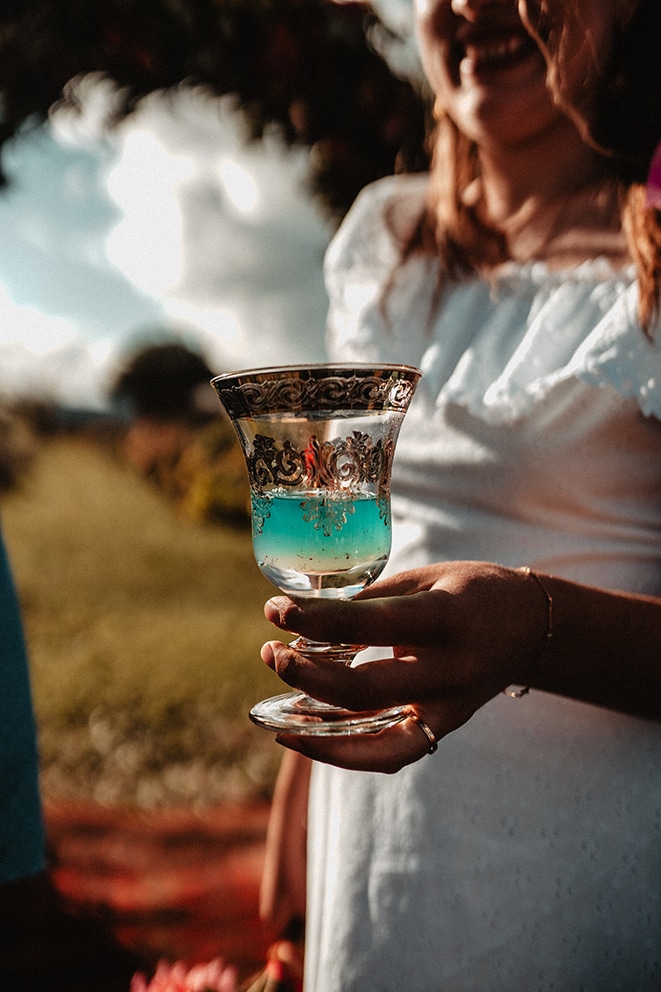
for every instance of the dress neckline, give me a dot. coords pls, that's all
(539, 273)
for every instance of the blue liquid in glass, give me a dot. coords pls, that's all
(321, 543)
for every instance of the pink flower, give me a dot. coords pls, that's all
(212, 977)
(653, 188)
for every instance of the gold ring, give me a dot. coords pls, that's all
(427, 731)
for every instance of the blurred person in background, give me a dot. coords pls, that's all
(43, 947)
(21, 829)
(523, 275)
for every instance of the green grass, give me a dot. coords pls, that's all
(143, 629)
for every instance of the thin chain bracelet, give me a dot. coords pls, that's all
(517, 693)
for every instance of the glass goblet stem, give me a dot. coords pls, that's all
(344, 653)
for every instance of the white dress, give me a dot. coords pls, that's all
(525, 855)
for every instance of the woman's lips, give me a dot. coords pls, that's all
(491, 54)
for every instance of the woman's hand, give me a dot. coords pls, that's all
(461, 631)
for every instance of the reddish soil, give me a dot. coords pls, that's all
(174, 883)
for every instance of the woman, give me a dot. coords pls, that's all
(523, 277)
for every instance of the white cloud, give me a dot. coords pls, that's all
(247, 240)
(172, 220)
(146, 244)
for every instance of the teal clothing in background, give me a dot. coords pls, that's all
(21, 827)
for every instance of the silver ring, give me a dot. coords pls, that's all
(427, 731)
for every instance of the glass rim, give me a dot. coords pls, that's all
(326, 367)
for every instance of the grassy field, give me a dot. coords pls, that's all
(143, 630)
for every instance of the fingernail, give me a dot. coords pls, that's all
(277, 601)
(273, 608)
(267, 655)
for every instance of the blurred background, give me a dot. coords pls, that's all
(173, 171)
(178, 166)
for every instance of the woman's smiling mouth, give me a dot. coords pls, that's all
(484, 54)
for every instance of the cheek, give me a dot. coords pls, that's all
(576, 41)
(578, 33)
(428, 9)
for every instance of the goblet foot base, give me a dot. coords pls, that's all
(296, 713)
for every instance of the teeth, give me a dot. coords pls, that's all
(492, 50)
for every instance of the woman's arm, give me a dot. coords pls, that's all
(464, 631)
(282, 895)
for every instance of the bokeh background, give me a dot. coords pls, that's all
(173, 172)
(181, 164)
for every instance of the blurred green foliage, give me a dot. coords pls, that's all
(144, 630)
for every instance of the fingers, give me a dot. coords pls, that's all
(387, 752)
(404, 583)
(370, 686)
(325, 680)
(395, 618)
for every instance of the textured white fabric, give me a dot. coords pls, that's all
(525, 855)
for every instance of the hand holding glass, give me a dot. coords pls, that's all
(319, 442)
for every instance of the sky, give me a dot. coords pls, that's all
(169, 225)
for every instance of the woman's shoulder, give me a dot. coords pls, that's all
(620, 355)
(378, 223)
(404, 194)
(533, 329)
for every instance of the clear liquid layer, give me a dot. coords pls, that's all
(320, 543)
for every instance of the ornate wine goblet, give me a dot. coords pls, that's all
(318, 441)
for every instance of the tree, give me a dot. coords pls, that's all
(306, 66)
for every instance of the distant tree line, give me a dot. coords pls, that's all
(307, 66)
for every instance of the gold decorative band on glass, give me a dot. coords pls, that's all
(294, 390)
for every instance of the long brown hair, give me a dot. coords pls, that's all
(624, 127)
